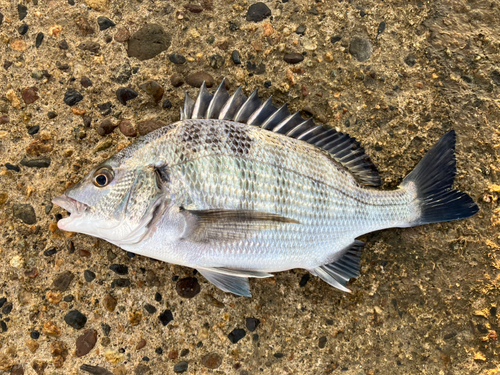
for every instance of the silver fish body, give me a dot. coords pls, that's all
(235, 200)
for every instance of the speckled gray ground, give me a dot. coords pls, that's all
(426, 302)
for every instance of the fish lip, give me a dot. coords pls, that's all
(71, 205)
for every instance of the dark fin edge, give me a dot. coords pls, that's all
(433, 177)
(346, 150)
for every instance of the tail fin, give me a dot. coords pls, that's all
(433, 178)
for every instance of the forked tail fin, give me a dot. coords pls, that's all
(433, 178)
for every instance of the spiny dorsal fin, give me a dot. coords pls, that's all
(345, 150)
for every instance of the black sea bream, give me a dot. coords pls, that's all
(239, 188)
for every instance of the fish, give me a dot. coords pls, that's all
(239, 188)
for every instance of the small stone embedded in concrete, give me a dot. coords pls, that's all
(30, 95)
(23, 29)
(12, 167)
(335, 39)
(124, 94)
(235, 56)
(120, 269)
(105, 108)
(252, 324)
(304, 280)
(71, 97)
(194, 8)
(95, 370)
(181, 367)
(109, 302)
(216, 61)
(150, 308)
(177, 58)
(154, 89)
(167, 104)
(148, 42)
(147, 126)
(75, 319)
(122, 35)
(62, 281)
(196, 79)
(360, 48)
(104, 23)
(120, 283)
(106, 127)
(495, 76)
(166, 317)
(176, 80)
(85, 82)
(24, 212)
(4, 119)
(22, 11)
(16, 369)
(322, 342)
(86, 342)
(236, 335)
(7, 308)
(92, 47)
(410, 60)
(381, 28)
(293, 58)
(39, 39)
(258, 12)
(122, 73)
(211, 361)
(301, 30)
(89, 276)
(141, 344)
(39, 366)
(59, 353)
(188, 287)
(1, 19)
(84, 26)
(41, 162)
(51, 329)
(127, 129)
(158, 297)
(63, 45)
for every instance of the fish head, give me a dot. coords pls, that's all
(117, 201)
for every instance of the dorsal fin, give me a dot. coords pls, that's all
(344, 149)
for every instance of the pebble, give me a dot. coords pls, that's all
(188, 287)
(293, 58)
(181, 367)
(196, 79)
(92, 47)
(106, 329)
(105, 23)
(62, 281)
(381, 28)
(75, 319)
(18, 45)
(63, 45)
(71, 97)
(211, 361)
(308, 44)
(50, 329)
(193, 8)
(120, 283)
(4, 119)
(158, 297)
(41, 162)
(16, 369)
(235, 56)
(258, 12)
(86, 342)
(39, 366)
(13, 99)
(22, 11)
(150, 308)
(69, 298)
(95, 370)
(184, 352)
(335, 39)
(23, 29)
(148, 42)
(50, 252)
(301, 30)
(177, 58)
(322, 342)
(147, 126)
(410, 60)
(167, 104)
(89, 276)
(120, 269)
(59, 353)
(216, 61)
(154, 89)
(176, 80)
(35, 335)
(24, 212)
(122, 73)
(105, 108)
(304, 280)
(360, 48)
(1, 19)
(495, 76)
(124, 94)
(236, 335)
(84, 26)
(109, 302)
(166, 317)
(122, 35)
(106, 127)
(85, 82)
(127, 129)
(141, 344)
(252, 324)
(87, 121)
(7, 308)
(12, 167)
(39, 39)
(30, 95)
(173, 354)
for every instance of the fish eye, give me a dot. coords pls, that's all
(103, 176)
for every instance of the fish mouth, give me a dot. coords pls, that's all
(71, 205)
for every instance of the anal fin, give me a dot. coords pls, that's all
(338, 273)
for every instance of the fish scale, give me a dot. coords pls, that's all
(240, 189)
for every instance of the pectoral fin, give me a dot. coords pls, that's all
(232, 281)
(215, 226)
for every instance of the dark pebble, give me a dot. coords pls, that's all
(23, 29)
(63, 45)
(106, 127)
(493, 311)
(95, 370)
(106, 329)
(122, 35)
(30, 95)
(216, 61)
(12, 167)
(176, 80)
(257, 12)
(35, 335)
(39, 39)
(233, 26)
(127, 128)
(92, 47)
(50, 252)
(42, 162)
(86, 342)
(158, 297)
(329, 322)
(87, 121)
(105, 108)
(154, 89)
(235, 56)
(120, 269)
(166, 317)
(301, 30)
(267, 84)
(181, 367)
(150, 308)
(159, 351)
(211, 361)
(69, 298)
(3, 326)
(360, 48)
(75, 319)
(148, 42)
(22, 10)
(62, 281)
(147, 126)
(7, 64)
(410, 60)
(188, 287)
(71, 97)
(84, 26)
(7, 308)
(120, 283)
(335, 39)
(293, 58)
(177, 58)
(313, 11)
(175, 278)
(85, 82)
(104, 23)
(17, 370)
(252, 324)
(141, 369)
(124, 94)
(450, 335)
(63, 67)
(495, 76)
(145, 358)
(167, 104)
(122, 73)
(1, 19)
(278, 355)
(236, 335)
(88, 275)
(196, 79)
(24, 212)
(4, 119)
(381, 28)
(2, 301)
(51, 115)
(362, 13)
(71, 2)
(304, 280)
(184, 352)
(322, 342)
(193, 8)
